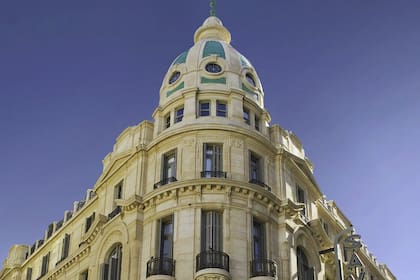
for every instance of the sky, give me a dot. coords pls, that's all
(344, 76)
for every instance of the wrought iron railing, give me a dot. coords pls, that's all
(263, 268)
(114, 212)
(260, 183)
(160, 266)
(213, 174)
(164, 182)
(212, 259)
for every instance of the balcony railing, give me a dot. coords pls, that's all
(160, 266)
(114, 212)
(164, 182)
(260, 183)
(212, 259)
(213, 174)
(263, 268)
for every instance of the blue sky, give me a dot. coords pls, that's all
(342, 75)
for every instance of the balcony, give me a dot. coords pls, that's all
(164, 182)
(213, 174)
(263, 268)
(212, 259)
(114, 212)
(260, 183)
(160, 266)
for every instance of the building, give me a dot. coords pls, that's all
(209, 190)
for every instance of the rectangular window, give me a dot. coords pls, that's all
(118, 190)
(45, 264)
(255, 169)
(167, 120)
(29, 273)
(66, 247)
(246, 116)
(84, 275)
(50, 230)
(204, 108)
(212, 231)
(213, 161)
(257, 123)
(166, 232)
(300, 197)
(258, 240)
(89, 221)
(179, 114)
(169, 165)
(221, 109)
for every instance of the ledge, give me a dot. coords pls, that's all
(212, 273)
(160, 277)
(262, 278)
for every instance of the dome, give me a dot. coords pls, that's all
(211, 64)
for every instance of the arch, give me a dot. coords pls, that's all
(213, 47)
(306, 244)
(118, 233)
(111, 268)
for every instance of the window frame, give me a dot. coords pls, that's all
(204, 112)
(179, 117)
(167, 120)
(261, 236)
(246, 115)
(221, 112)
(166, 165)
(212, 160)
(211, 230)
(258, 167)
(163, 249)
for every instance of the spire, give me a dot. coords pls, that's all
(212, 8)
(212, 28)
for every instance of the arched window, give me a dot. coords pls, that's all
(305, 271)
(111, 269)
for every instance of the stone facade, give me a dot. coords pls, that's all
(209, 190)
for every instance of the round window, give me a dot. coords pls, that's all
(250, 79)
(174, 77)
(213, 68)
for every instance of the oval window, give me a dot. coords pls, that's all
(174, 77)
(213, 68)
(250, 79)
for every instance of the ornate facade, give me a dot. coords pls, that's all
(209, 190)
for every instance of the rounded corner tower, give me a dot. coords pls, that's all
(211, 79)
(207, 191)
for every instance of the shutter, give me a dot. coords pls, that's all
(29, 273)
(114, 268)
(104, 271)
(66, 245)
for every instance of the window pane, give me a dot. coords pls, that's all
(204, 109)
(246, 115)
(221, 109)
(179, 114)
(169, 165)
(212, 231)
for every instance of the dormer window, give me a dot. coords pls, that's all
(251, 80)
(174, 77)
(213, 68)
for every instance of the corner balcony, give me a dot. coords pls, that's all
(164, 181)
(160, 269)
(212, 265)
(263, 269)
(213, 174)
(261, 184)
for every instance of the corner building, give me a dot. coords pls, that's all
(209, 190)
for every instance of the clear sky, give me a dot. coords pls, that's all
(344, 76)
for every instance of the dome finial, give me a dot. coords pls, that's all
(212, 8)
